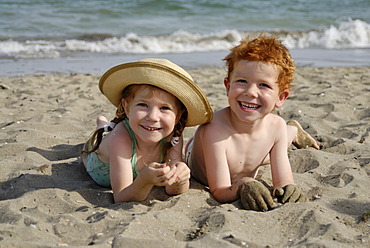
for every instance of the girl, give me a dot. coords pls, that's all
(155, 100)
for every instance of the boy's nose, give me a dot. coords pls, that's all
(252, 90)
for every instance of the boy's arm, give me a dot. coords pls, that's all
(280, 166)
(215, 159)
(282, 177)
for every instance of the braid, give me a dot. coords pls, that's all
(177, 131)
(96, 138)
(181, 124)
(93, 143)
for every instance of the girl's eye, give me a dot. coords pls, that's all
(165, 108)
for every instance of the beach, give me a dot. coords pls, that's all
(52, 55)
(48, 200)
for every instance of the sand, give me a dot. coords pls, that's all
(48, 200)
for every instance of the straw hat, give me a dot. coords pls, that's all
(162, 74)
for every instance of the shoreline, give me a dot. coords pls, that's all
(98, 63)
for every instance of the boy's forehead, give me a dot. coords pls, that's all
(242, 65)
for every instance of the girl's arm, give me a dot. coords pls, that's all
(121, 176)
(179, 183)
(139, 189)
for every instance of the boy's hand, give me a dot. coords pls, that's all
(255, 196)
(290, 193)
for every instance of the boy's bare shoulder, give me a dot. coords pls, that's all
(275, 125)
(276, 120)
(217, 127)
(220, 119)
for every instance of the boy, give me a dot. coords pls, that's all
(226, 153)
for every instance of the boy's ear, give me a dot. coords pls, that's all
(282, 97)
(227, 85)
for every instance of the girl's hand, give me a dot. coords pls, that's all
(182, 173)
(179, 182)
(159, 174)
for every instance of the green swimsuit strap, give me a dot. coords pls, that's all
(134, 156)
(133, 147)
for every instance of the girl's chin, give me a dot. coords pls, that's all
(152, 138)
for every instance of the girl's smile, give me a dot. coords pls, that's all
(151, 128)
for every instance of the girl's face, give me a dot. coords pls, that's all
(253, 91)
(152, 113)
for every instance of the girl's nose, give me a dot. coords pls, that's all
(153, 114)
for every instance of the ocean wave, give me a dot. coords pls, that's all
(346, 34)
(349, 34)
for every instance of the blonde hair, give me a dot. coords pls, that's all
(267, 49)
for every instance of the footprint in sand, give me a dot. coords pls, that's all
(322, 110)
(212, 223)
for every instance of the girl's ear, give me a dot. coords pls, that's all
(282, 97)
(125, 106)
(227, 85)
(179, 114)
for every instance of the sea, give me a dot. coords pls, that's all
(90, 36)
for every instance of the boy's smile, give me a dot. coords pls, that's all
(253, 91)
(249, 106)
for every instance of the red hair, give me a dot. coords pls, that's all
(267, 49)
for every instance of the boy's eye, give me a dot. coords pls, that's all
(242, 81)
(265, 85)
(142, 105)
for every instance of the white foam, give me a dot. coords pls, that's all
(347, 34)
(29, 49)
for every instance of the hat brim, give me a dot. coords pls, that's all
(116, 79)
